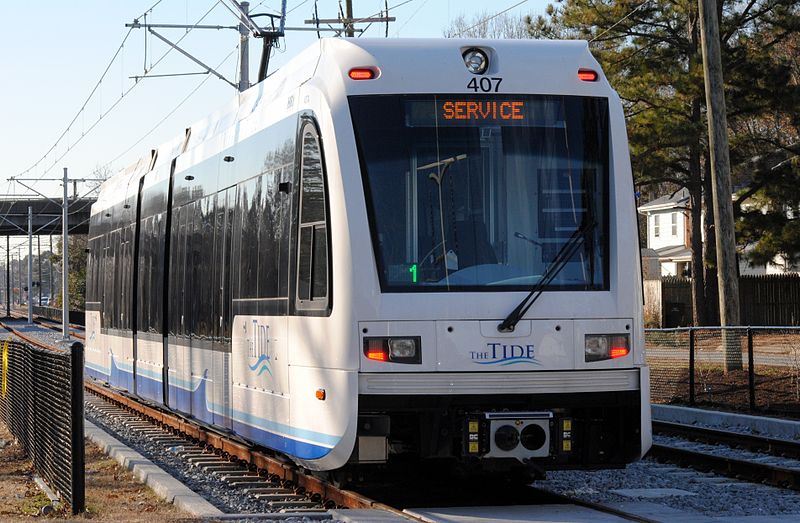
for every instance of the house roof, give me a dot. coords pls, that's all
(677, 199)
(674, 253)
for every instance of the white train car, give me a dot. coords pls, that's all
(388, 250)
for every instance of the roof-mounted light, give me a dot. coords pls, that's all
(587, 75)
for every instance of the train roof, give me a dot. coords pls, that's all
(419, 65)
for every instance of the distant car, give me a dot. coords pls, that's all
(45, 301)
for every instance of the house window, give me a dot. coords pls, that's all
(674, 224)
(656, 226)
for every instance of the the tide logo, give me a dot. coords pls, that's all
(501, 354)
(258, 347)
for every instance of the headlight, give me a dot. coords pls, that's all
(402, 348)
(476, 60)
(394, 349)
(600, 347)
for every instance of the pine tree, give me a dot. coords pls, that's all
(650, 53)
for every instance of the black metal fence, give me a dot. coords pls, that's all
(763, 300)
(738, 368)
(54, 313)
(41, 403)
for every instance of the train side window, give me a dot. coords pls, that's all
(312, 250)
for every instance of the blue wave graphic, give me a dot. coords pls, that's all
(508, 361)
(263, 360)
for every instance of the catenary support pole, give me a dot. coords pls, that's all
(8, 275)
(39, 262)
(30, 265)
(65, 259)
(50, 266)
(727, 273)
(19, 277)
(244, 50)
(349, 30)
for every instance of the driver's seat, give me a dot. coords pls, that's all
(471, 243)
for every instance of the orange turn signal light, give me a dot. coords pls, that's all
(320, 394)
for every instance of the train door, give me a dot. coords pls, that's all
(198, 355)
(136, 286)
(179, 377)
(220, 286)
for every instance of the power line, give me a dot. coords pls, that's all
(412, 16)
(80, 111)
(157, 125)
(492, 17)
(113, 106)
(88, 99)
(620, 20)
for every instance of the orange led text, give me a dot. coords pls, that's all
(483, 110)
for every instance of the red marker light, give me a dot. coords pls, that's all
(377, 355)
(361, 73)
(618, 352)
(376, 350)
(587, 75)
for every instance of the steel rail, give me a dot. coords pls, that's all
(53, 325)
(29, 339)
(752, 471)
(769, 445)
(598, 507)
(288, 473)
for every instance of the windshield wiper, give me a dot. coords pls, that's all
(564, 255)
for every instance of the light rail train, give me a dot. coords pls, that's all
(388, 250)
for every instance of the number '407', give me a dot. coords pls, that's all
(485, 84)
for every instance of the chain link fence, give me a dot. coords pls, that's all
(41, 403)
(739, 368)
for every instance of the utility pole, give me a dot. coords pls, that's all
(19, 276)
(65, 238)
(727, 274)
(30, 265)
(39, 262)
(50, 265)
(244, 48)
(65, 259)
(8, 276)
(349, 30)
(347, 21)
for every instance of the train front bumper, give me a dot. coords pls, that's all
(591, 419)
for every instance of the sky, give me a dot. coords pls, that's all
(53, 54)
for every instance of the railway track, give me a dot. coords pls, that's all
(761, 459)
(283, 485)
(258, 473)
(280, 484)
(76, 331)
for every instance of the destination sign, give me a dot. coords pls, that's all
(464, 112)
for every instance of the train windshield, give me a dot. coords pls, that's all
(470, 193)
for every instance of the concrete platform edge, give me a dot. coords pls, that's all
(164, 485)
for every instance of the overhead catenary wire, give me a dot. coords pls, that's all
(160, 122)
(489, 18)
(620, 20)
(110, 108)
(88, 98)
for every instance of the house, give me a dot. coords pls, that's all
(668, 232)
(669, 235)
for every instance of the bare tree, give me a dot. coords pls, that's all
(485, 25)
